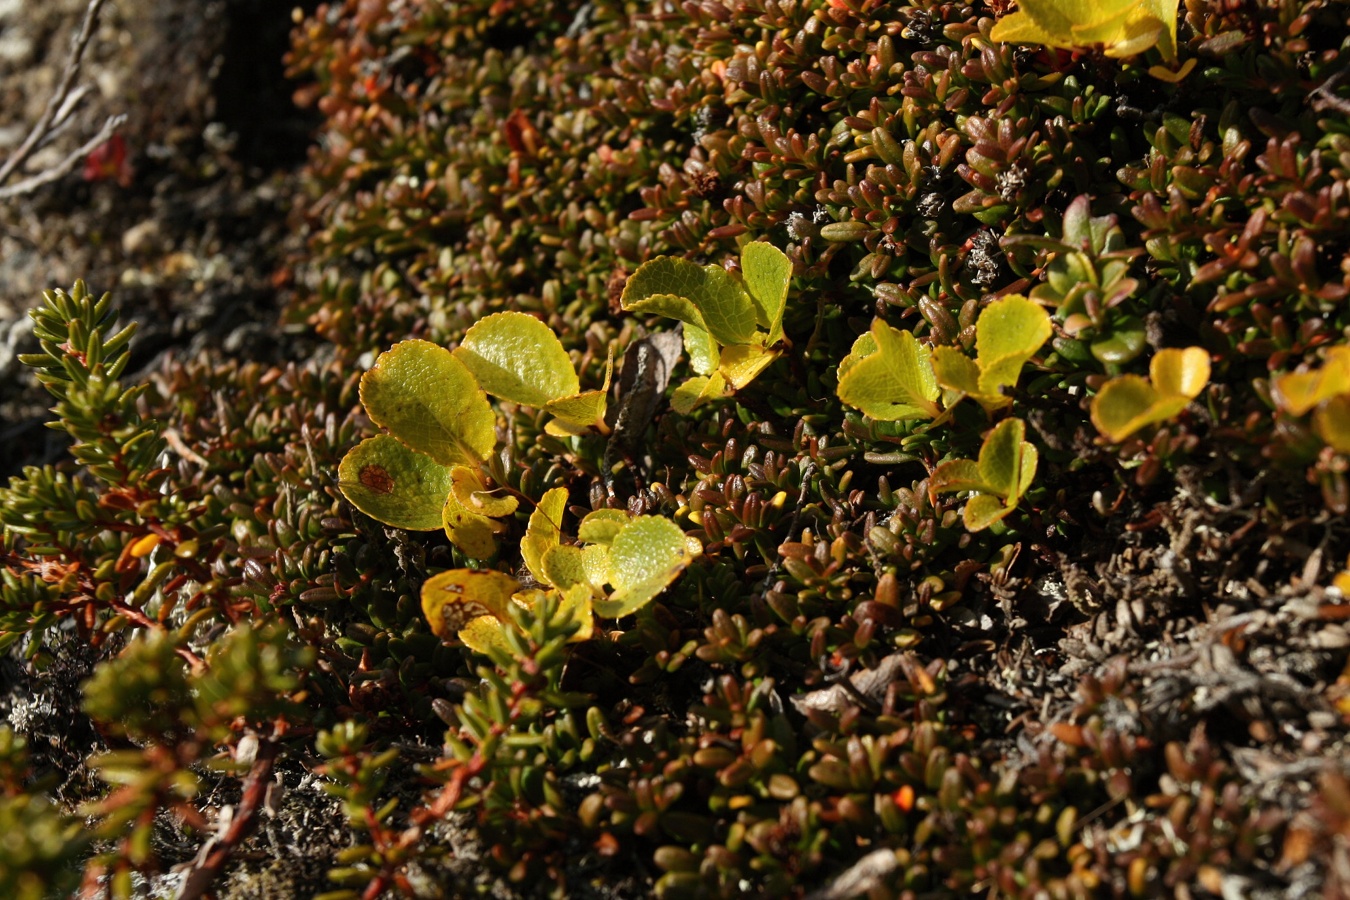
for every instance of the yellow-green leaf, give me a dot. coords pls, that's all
(767, 273)
(956, 372)
(1001, 457)
(702, 349)
(431, 402)
(957, 475)
(1332, 423)
(1122, 27)
(1299, 392)
(1007, 334)
(696, 391)
(473, 533)
(895, 382)
(644, 558)
(544, 531)
(602, 525)
(472, 494)
(864, 346)
(1123, 406)
(564, 567)
(484, 633)
(581, 412)
(393, 484)
(983, 510)
(1179, 373)
(740, 363)
(518, 358)
(722, 306)
(577, 605)
(452, 599)
(1127, 403)
(1011, 328)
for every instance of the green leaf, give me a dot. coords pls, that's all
(431, 402)
(1125, 342)
(644, 558)
(723, 307)
(393, 484)
(602, 526)
(544, 531)
(565, 566)
(1004, 472)
(958, 475)
(983, 510)
(895, 382)
(702, 349)
(452, 599)
(767, 273)
(1001, 458)
(518, 358)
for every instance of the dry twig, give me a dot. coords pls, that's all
(57, 113)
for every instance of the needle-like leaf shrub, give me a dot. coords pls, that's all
(1080, 637)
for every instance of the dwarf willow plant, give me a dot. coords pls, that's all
(1129, 402)
(1122, 28)
(722, 316)
(429, 472)
(1325, 391)
(890, 376)
(998, 479)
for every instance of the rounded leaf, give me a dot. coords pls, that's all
(740, 363)
(1180, 373)
(983, 510)
(469, 490)
(644, 558)
(393, 484)
(544, 531)
(452, 599)
(1123, 406)
(767, 273)
(723, 307)
(518, 358)
(603, 525)
(473, 533)
(1299, 392)
(895, 382)
(431, 402)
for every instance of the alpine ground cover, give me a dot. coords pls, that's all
(974, 410)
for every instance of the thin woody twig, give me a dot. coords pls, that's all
(60, 107)
(217, 851)
(52, 173)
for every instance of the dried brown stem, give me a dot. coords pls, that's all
(216, 853)
(57, 111)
